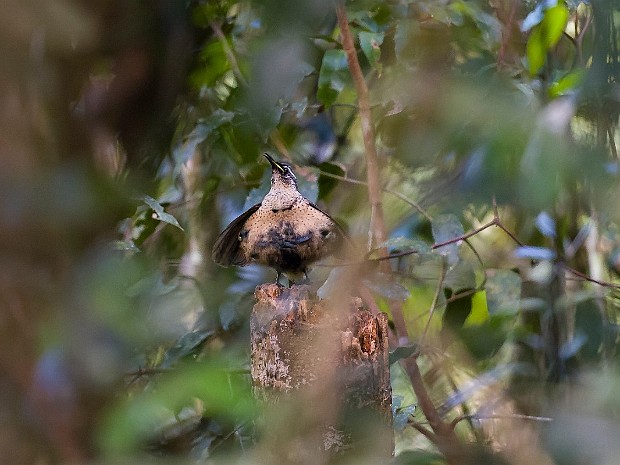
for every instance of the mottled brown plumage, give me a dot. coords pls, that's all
(285, 231)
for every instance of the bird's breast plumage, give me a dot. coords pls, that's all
(288, 236)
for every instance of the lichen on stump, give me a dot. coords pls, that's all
(330, 357)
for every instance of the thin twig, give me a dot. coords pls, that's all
(585, 277)
(384, 189)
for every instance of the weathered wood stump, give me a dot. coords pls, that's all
(325, 366)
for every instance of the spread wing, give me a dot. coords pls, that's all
(226, 250)
(341, 232)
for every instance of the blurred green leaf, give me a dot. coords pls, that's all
(160, 214)
(503, 290)
(566, 84)
(446, 228)
(545, 36)
(386, 285)
(370, 42)
(333, 76)
(402, 352)
(187, 345)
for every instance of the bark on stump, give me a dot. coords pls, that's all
(329, 365)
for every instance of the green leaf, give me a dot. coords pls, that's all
(402, 415)
(503, 289)
(402, 352)
(160, 214)
(187, 344)
(327, 183)
(384, 284)
(536, 51)
(333, 76)
(566, 84)
(545, 36)
(554, 24)
(446, 228)
(404, 244)
(370, 42)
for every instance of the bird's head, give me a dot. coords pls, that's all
(281, 173)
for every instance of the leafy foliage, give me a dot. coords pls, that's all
(496, 127)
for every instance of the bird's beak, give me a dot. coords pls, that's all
(274, 164)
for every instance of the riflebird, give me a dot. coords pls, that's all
(285, 231)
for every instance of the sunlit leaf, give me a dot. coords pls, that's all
(479, 310)
(545, 36)
(566, 84)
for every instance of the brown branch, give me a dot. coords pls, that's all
(377, 227)
(446, 437)
(585, 277)
(429, 434)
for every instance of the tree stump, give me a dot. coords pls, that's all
(324, 368)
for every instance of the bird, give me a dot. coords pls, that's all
(286, 231)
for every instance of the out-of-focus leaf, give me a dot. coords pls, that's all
(545, 224)
(545, 36)
(456, 311)
(402, 415)
(503, 289)
(479, 310)
(536, 51)
(460, 276)
(333, 76)
(553, 24)
(404, 244)
(571, 347)
(446, 228)
(186, 345)
(589, 324)
(537, 15)
(308, 188)
(370, 42)
(220, 392)
(125, 246)
(418, 457)
(534, 253)
(402, 352)
(566, 84)
(486, 339)
(160, 214)
(385, 285)
(470, 388)
(327, 183)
